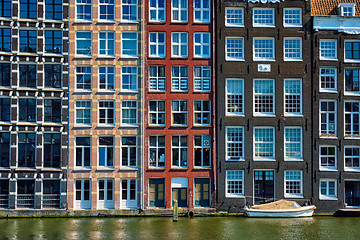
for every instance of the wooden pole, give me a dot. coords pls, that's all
(175, 211)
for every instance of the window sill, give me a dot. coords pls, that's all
(156, 91)
(293, 196)
(263, 26)
(157, 22)
(26, 124)
(53, 21)
(129, 125)
(129, 57)
(355, 94)
(264, 115)
(322, 169)
(351, 137)
(347, 169)
(292, 26)
(293, 160)
(235, 26)
(328, 198)
(47, 89)
(27, 20)
(293, 60)
(82, 126)
(5, 123)
(235, 115)
(328, 91)
(328, 59)
(157, 57)
(201, 57)
(202, 168)
(53, 55)
(328, 137)
(101, 168)
(239, 159)
(6, 88)
(82, 169)
(231, 196)
(83, 56)
(105, 125)
(293, 115)
(77, 21)
(28, 54)
(25, 169)
(179, 125)
(263, 60)
(157, 168)
(264, 159)
(129, 91)
(179, 168)
(105, 57)
(128, 21)
(52, 124)
(106, 21)
(157, 125)
(45, 169)
(5, 169)
(179, 91)
(6, 53)
(126, 168)
(351, 61)
(202, 125)
(179, 57)
(234, 60)
(6, 19)
(83, 91)
(201, 91)
(26, 89)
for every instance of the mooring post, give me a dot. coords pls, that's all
(175, 211)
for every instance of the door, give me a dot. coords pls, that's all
(82, 194)
(263, 186)
(352, 193)
(106, 194)
(202, 193)
(128, 193)
(180, 194)
(157, 188)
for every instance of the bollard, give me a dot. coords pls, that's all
(175, 211)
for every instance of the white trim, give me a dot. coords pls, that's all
(242, 157)
(267, 25)
(259, 158)
(328, 168)
(290, 24)
(334, 51)
(241, 20)
(300, 158)
(327, 196)
(294, 195)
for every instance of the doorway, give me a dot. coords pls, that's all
(352, 193)
(263, 186)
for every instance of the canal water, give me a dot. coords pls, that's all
(158, 228)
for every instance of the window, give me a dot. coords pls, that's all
(179, 10)
(28, 41)
(27, 75)
(106, 112)
(4, 151)
(28, 9)
(5, 39)
(83, 112)
(202, 79)
(264, 143)
(328, 79)
(263, 17)
(327, 158)
(328, 49)
(53, 9)
(352, 158)
(51, 193)
(53, 42)
(157, 10)
(179, 111)
(157, 113)
(4, 193)
(201, 44)
(234, 183)
(157, 78)
(129, 78)
(352, 50)
(157, 192)
(83, 10)
(327, 118)
(129, 10)
(293, 143)
(202, 11)
(352, 119)
(27, 110)
(179, 150)
(129, 44)
(83, 44)
(234, 48)
(179, 43)
(264, 49)
(25, 196)
(293, 97)
(292, 17)
(234, 17)
(82, 194)
(157, 44)
(52, 75)
(293, 184)
(106, 193)
(264, 94)
(83, 78)
(347, 9)
(234, 143)
(128, 151)
(5, 109)
(52, 150)
(327, 189)
(107, 44)
(5, 74)
(106, 151)
(179, 78)
(107, 10)
(352, 81)
(292, 49)
(128, 193)
(26, 150)
(107, 78)
(202, 150)
(82, 151)
(128, 112)
(157, 149)
(202, 112)
(6, 8)
(52, 110)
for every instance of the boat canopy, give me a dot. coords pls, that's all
(281, 204)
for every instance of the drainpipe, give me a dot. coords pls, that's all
(143, 104)
(214, 98)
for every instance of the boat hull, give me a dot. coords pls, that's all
(284, 213)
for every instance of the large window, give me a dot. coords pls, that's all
(157, 10)
(5, 74)
(128, 112)
(82, 194)
(202, 109)
(157, 44)
(293, 184)
(352, 50)
(328, 79)
(264, 143)
(179, 78)
(28, 41)
(157, 112)
(179, 112)
(53, 9)
(234, 17)
(201, 45)
(234, 143)
(264, 97)
(292, 49)
(83, 78)
(202, 78)
(352, 158)
(106, 151)
(157, 78)
(5, 39)
(352, 119)
(157, 149)
(234, 183)
(28, 9)
(5, 109)
(234, 48)
(293, 97)
(179, 150)
(106, 112)
(129, 78)
(83, 112)
(352, 81)
(4, 193)
(263, 17)
(83, 44)
(292, 17)
(106, 193)
(202, 150)
(52, 110)
(129, 44)
(27, 75)
(327, 118)
(129, 10)
(128, 193)
(83, 10)
(52, 75)
(179, 44)
(26, 150)
(25, 195)
(107, 10)
(27, 110)
(328, 49)
(52, 150)
(4, 150)
(106, 78)
(264, 49)
(6, 8)
(293, 143)
(106, 44)
(82, 151)
(53, 41)
(327, 189)
(202, 11)
(327, 156)
(128, 151)
(179, 10)
(234, 97)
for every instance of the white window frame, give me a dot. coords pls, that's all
(82, 204)
(202, 10)
(261, 19)
(293, 195)
(128, 151)
(233, 142)
(157, 44)
(289, 143)
(179, 111)
(257, 50)
(179, 83)
(179, 9)
(352, 168)
(129, 109)
(157, 148)
(158, 80)
(327, 196)
(259, 144)
(345, 9)
(201, 112)
(132, 87)
(292, 50)
(123, 55)
(83, 109)
(326, 75)
(127, 202)
(352, 93)
(328, 50)
(205, 144)
(235, 48)
(84, 4)
(109, 40)
(327, 156)
(82, 73)
(179, 44)
(292, 95)
(234, 95)
(327, 134)
(106, 148)
(108, 75)
(82, 157)
(183, 163)
(130, 5)
(83, 39)
(233, 19)
(106, 203)
(157, 112)
(287, 16)
(107, 120)
(202, 83)
(261, 95)
(238, 180)
(353, 115)
(202, 44)
(107, 4)
(351, 59)
(157, 9)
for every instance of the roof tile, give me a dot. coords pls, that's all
(329, 7)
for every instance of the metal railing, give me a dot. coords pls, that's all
(4, 200)
(25, 200)
(51, 201)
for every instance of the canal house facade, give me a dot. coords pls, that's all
(179, 104)
(105, 82)
(33, 104)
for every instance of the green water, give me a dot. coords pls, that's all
(186, 228)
